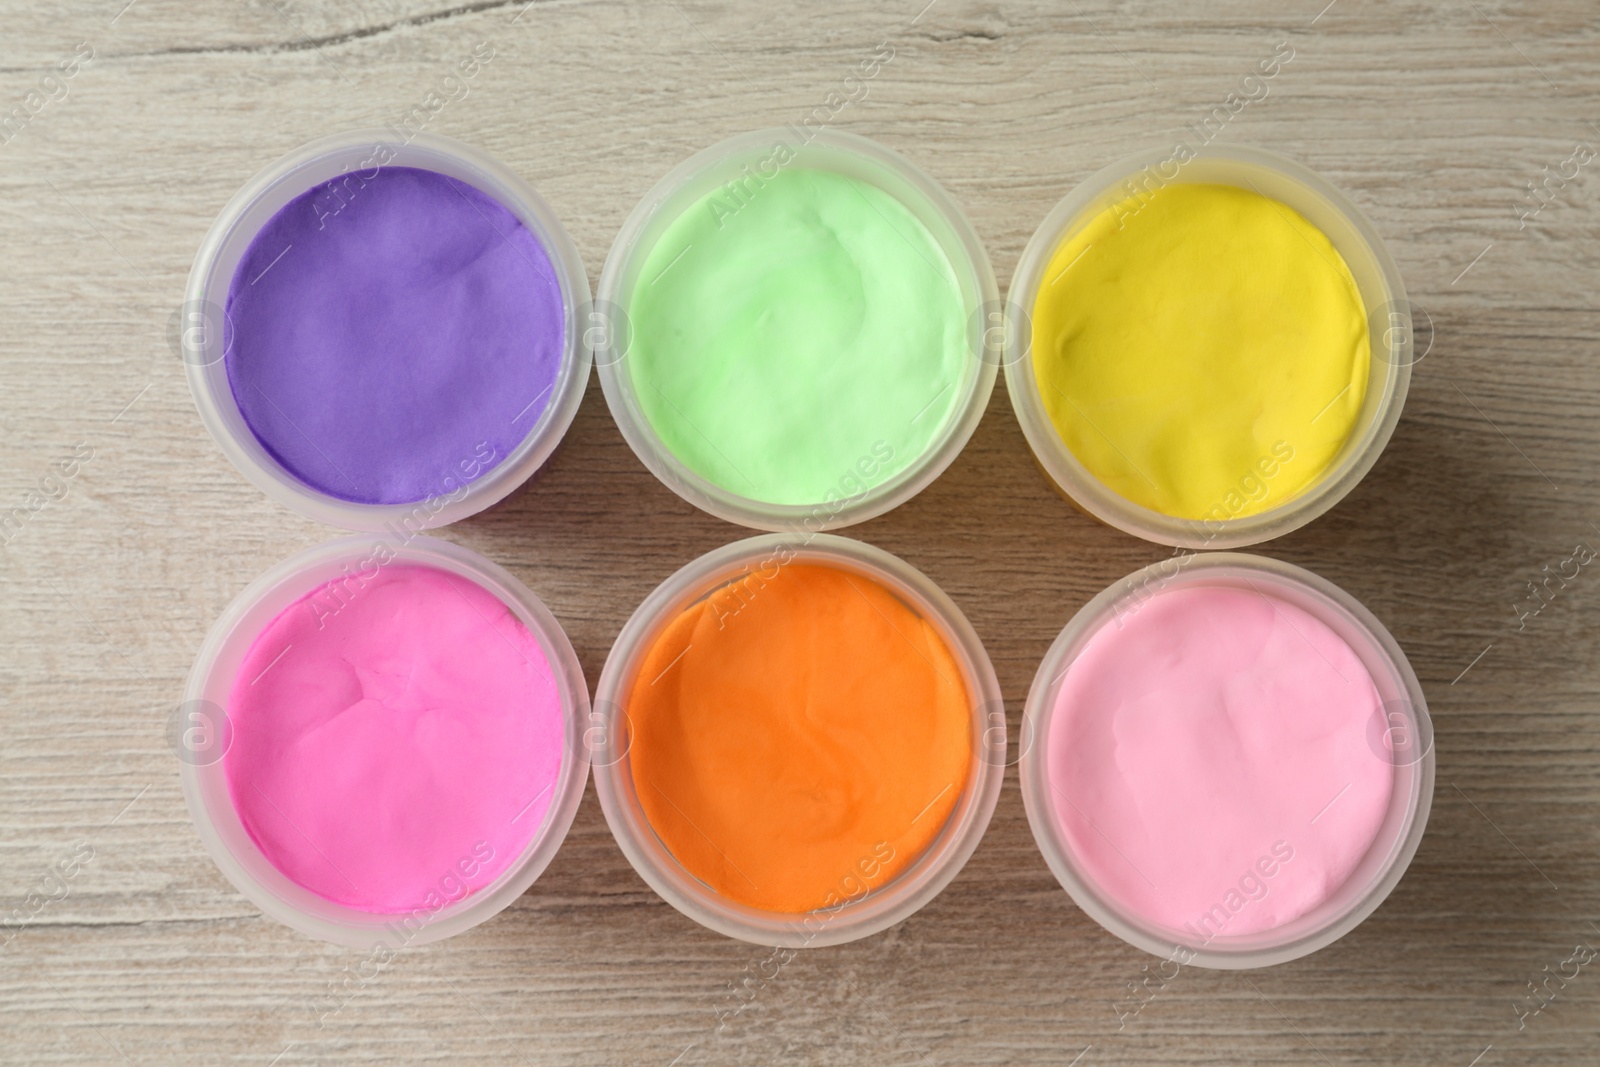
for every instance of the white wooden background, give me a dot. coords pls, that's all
(1432, 116)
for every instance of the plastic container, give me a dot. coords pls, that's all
(1404, 739)
(855, 157)
(201, 735)
(1389, 321)
(860, 915)
(204, 332)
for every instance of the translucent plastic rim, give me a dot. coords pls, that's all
(843, 153)
(862, 915)
(1389, 319)
(1412, 759)
(205, 332)
(205, 786)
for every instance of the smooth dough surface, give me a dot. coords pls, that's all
(396, 741)
(799, 344)
(799, 738)
(1208, 738)
(1185, 343)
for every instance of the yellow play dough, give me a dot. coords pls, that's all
(1201, 349)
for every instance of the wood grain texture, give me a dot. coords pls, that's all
(1432, 116)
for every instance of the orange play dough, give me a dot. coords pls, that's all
(799, 738)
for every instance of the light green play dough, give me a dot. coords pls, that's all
(798, 341)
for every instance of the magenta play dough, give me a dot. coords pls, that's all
(396, 743)
(394, 337)
(1209, 761)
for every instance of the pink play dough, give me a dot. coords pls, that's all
(1209, 761)
(396, 740)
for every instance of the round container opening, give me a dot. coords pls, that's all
(1130, 329)
(382, 332)
(382, 741)
(1232, 762)
(797, 334)
(796, 741)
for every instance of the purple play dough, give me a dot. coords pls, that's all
(394, 342)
